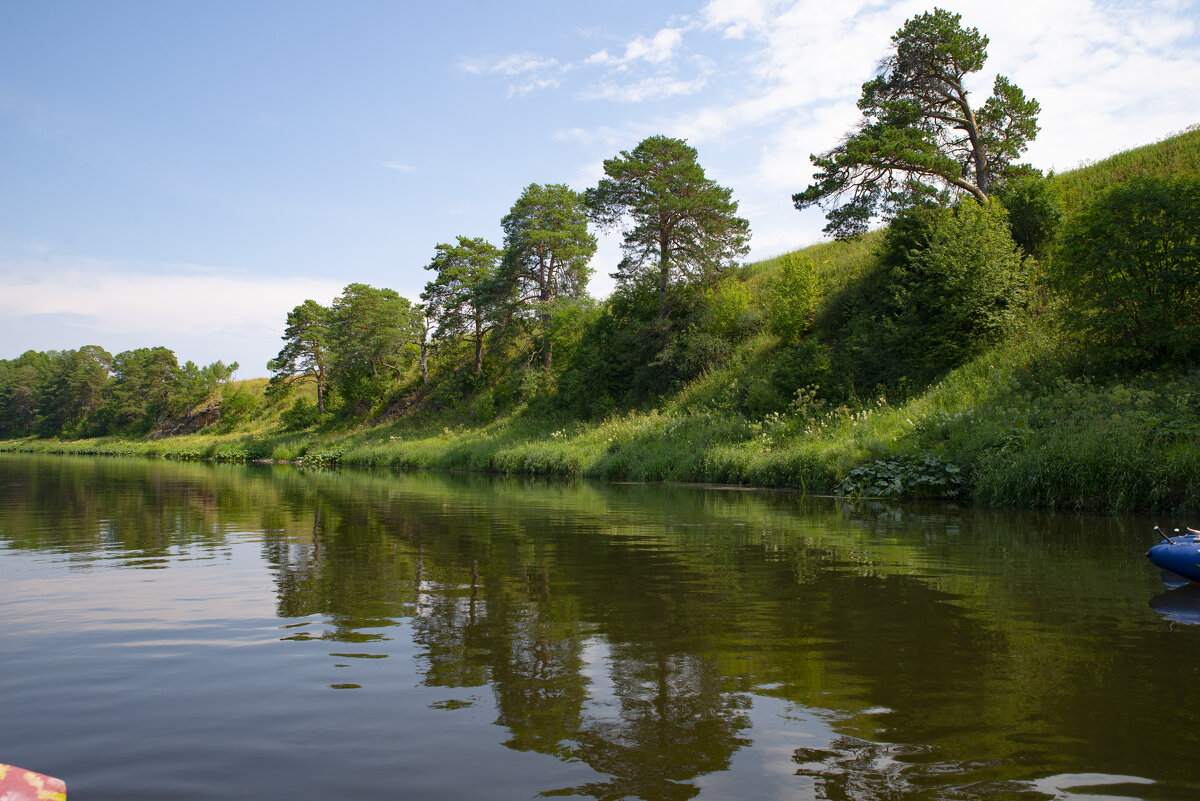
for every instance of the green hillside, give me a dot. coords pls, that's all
(932, 358)
(1175, 156)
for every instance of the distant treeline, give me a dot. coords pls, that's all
(89, 392)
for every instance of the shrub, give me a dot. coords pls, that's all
(236, 405)
(1130, 264)
(792, 298)
(966, 287)
(302, 414)
(1034, 213)
(948, 284)
(485, 407)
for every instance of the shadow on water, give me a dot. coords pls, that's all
(663, 641)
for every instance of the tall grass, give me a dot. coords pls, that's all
(1175, 156)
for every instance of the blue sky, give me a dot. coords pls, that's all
(184, 173)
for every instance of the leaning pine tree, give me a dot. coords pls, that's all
(919, 136)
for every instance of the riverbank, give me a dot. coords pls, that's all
(1009, 429)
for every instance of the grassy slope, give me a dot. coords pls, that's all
(1027, 428)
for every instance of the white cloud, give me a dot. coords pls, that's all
(515, 64)
(655, 49)
(536, 72)
(525, 87)
(54, 302)
(398, 166)
(645, 89)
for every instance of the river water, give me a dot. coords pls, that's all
(205, 631)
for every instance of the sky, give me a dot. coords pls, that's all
(185, 173)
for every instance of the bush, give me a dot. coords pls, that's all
(966, 287)
(792, 298)
(805, 364)
(948, 284)
(236, 405)
(1130, 264)
(1034, 213)
(485, 407)
(302, 414)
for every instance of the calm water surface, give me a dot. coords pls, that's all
(200, 631)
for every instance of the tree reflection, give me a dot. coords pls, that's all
(630, 629)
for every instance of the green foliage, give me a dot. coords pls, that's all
(1130, 265)
(919, 132)
(547, 250)
(1035, 211)
(678, 224)
(806, 364)
(466, 294)
(140, 393)
(301, 415)
(970, 284)
(21, 381)
(948, 284)
(368, 333)
(237, 406)
(306, 351)
(924, 476)
(792, 298)
(72, 391)
(1176, 156)
(485, 407)
(327, 457)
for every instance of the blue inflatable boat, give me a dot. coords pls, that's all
(1179, 554)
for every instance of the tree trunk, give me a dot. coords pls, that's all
(544, 313)
(983, 178)
(664, 278)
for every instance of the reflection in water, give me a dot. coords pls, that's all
(1180, 604)
(634, 637)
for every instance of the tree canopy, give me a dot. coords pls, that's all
(462, 295)
(306, 348)
(370, 330)
(919, 135)
(547, 251)
(677, 221)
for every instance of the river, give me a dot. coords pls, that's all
(209, 631)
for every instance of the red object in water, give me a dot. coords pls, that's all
(17, 784)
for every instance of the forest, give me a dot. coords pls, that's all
(974, 329)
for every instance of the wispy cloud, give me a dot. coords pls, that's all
(643, 69)
(514, 64)
(656, 49)
(645, 89)
(532, 71)
(398, 166)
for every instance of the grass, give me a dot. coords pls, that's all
(1025, 424)
(1175, 156)
(1023, 431)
